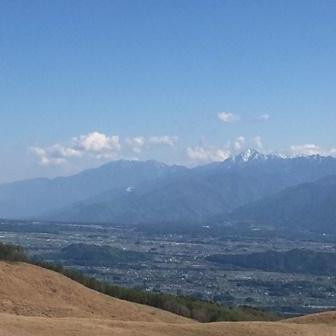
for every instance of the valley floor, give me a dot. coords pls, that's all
(178, 263)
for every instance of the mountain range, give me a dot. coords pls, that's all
(34, 197)
(249, 187)
(307, 206)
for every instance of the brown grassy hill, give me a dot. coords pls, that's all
(33, 291)
(325, 318)
(11, 325)
(38, 302)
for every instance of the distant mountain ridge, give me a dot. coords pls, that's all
(308, 206)
(135, 192)
(31, 198)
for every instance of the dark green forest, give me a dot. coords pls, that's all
(293, 261)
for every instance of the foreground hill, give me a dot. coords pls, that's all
(38, 302)
(328, 318)
(28, 290)
(35, 326)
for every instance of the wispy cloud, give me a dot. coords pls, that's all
(227, 117)
(163, 140)
(98, 146)
(95, 144)
(239, 143)
(311, 149)
(203, 154)
(53, 155)
(257, 142)
(263, 117)
(138, 143)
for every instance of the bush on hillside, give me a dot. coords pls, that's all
(12, 253)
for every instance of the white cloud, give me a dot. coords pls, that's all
(264, 117)
(53, 155)
(99, 146)
(207, 154)
(44, 158)
(311, 149)
(136, 143)
(257, 142)
(95, 144)
(163, 140)
(239, 143)
(332, 152)
(228, 117)
(306, 149)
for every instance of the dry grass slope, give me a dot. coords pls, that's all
(29, 290)
(38, 302)
(328, 318)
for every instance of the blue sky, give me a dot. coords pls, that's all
(83, 82)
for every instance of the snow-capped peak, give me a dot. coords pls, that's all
(248, 155)
(129, 189)
(252, 154)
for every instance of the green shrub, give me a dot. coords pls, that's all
(12, 253)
